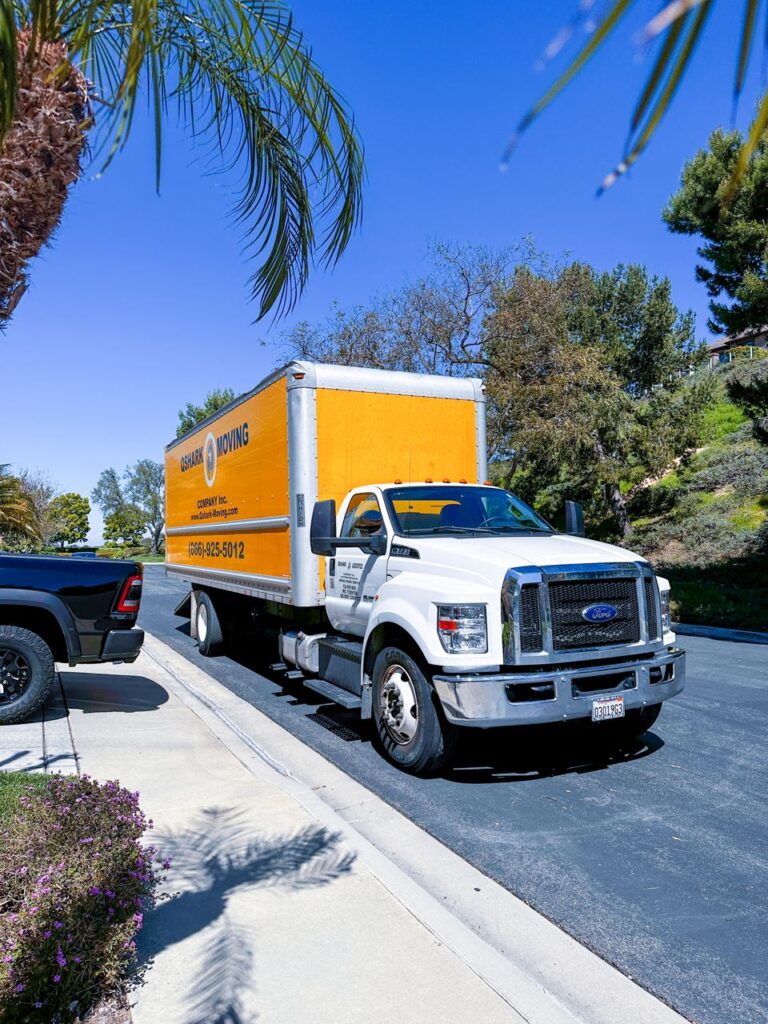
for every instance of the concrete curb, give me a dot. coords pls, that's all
(545, 975)
(739, 636)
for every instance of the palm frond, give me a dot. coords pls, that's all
(604, 29)
(666, 94)
(677, 28)
(745, 46)
(245, 84)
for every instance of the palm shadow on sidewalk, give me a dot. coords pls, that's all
(218, 855)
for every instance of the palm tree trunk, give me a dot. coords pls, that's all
(39, 160)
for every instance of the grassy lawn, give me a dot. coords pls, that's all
(147, 558)
(16, 784)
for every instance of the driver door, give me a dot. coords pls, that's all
(353, 576)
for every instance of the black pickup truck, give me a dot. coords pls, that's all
(66, 609)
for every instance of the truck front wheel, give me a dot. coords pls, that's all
(210, 638)
(409, 725)
(27, 673)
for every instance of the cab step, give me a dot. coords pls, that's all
(278, 666)
(294, 675)
(335, 693)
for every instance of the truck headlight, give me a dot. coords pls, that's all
(666, 615)
(462, 627)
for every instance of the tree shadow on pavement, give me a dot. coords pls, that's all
(218, 855)
(525, 754)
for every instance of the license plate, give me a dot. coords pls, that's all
(607, 708)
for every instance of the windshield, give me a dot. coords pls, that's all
(424, 510)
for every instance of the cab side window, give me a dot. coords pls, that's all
(363, 517)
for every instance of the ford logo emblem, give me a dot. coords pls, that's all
(599, 613)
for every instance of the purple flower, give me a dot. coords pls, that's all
(19, 988)
(56, 979)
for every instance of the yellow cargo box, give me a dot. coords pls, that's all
(240, 487)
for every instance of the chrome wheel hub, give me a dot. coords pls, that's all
(202, 623)
(399, 708)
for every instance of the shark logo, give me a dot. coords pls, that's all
(209, 460)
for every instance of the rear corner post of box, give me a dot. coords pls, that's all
(301, 384)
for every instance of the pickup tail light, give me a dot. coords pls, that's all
(130, 595)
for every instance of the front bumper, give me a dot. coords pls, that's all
(557, 694)
(122, 645)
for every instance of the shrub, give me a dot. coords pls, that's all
(74, 884)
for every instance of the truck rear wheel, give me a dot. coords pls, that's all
(26, 673)
(210, 638)
(410, 727)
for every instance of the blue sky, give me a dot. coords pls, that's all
(141, 303)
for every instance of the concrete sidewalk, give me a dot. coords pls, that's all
(271, 915)
(297, 895)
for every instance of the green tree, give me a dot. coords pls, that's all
(237, 75)
(675, 29)
(17, 513)
(735, 238)
(747, 386)
(193, 414)
(631, 318)
(69, 513)
(145, 488)
(126, 524)
(108, 492)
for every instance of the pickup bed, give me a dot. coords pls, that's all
(57, 609)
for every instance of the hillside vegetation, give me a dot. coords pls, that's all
(704, 525)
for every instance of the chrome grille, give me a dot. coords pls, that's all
(652, 610)
(531, 639)
(569, 598)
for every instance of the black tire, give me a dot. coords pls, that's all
(639, 720)
(425, 748)
(27, 673)
(210, 637)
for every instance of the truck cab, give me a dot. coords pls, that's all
(463, 593)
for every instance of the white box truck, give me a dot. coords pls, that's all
(346, 513)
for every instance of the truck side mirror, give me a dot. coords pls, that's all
(377, 544)
(322, 529)
(574, 518)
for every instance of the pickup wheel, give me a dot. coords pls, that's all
(26, 673)
(410, 727)
(210, 637)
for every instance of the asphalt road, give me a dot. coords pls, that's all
(655, 857)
